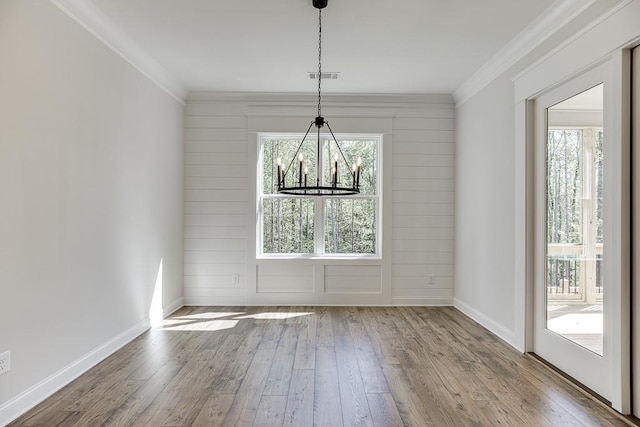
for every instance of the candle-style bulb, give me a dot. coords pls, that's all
(359, 162)
(353, 167)
(335, 157)
(300, 157)
(280, 174)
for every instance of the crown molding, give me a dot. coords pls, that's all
(566, 42)
(88, 16)
(550, 20)
(345, 98)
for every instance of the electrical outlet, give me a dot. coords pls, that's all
(431, 280)
(236, 279)
(5, 362)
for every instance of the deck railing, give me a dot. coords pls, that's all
(563, 273)
(573, 276)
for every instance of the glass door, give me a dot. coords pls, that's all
(570, 311)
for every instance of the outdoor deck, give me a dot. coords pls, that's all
(578, 322)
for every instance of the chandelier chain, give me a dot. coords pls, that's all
(319, 62)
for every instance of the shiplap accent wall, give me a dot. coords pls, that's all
(423, 204)
(221, 267)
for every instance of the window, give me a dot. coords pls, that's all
(574, 168)
(347, 225)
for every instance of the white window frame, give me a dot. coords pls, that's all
(320, 202)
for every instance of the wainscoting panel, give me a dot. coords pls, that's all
(285, 276)
(353, 279)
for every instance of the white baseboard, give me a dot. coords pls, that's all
(422, 301)
(215, 301)
(173, 307)
(494, 327)
(236, 301)
(29, 398)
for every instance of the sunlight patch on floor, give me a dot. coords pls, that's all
(198, 326)
(213, 321)
(274, 315)
(212, 315)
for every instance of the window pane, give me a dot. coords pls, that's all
(352, 150)
(564, 186)
(350, 226)
(287, 226)
(285, 149)
(574, 250)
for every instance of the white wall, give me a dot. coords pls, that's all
(221, 143)
(91, 177)
(485, 206)
(490, 270)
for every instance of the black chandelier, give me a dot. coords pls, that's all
(294, 181)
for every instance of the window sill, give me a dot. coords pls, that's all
(312, 257)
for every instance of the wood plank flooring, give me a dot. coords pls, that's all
(319, 366)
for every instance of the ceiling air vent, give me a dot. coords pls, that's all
(329, 76)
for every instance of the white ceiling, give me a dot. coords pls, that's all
(379, 46)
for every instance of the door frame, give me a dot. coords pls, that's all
(635, 229)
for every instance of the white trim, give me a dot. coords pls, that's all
(505, 334)
(566, 42)
(524, 228)
(617, 264)
(616, 31)
(217, 301)
(88, 16)
(173, 307)
(398, 302)
(635, 210)
(45, 388)
(269, 99)
(422, 302)
(548, 22)
(319, 202)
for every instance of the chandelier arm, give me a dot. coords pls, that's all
(338, 145)
(319, 191)
(295, 156)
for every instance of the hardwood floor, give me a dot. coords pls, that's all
(324, 366)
